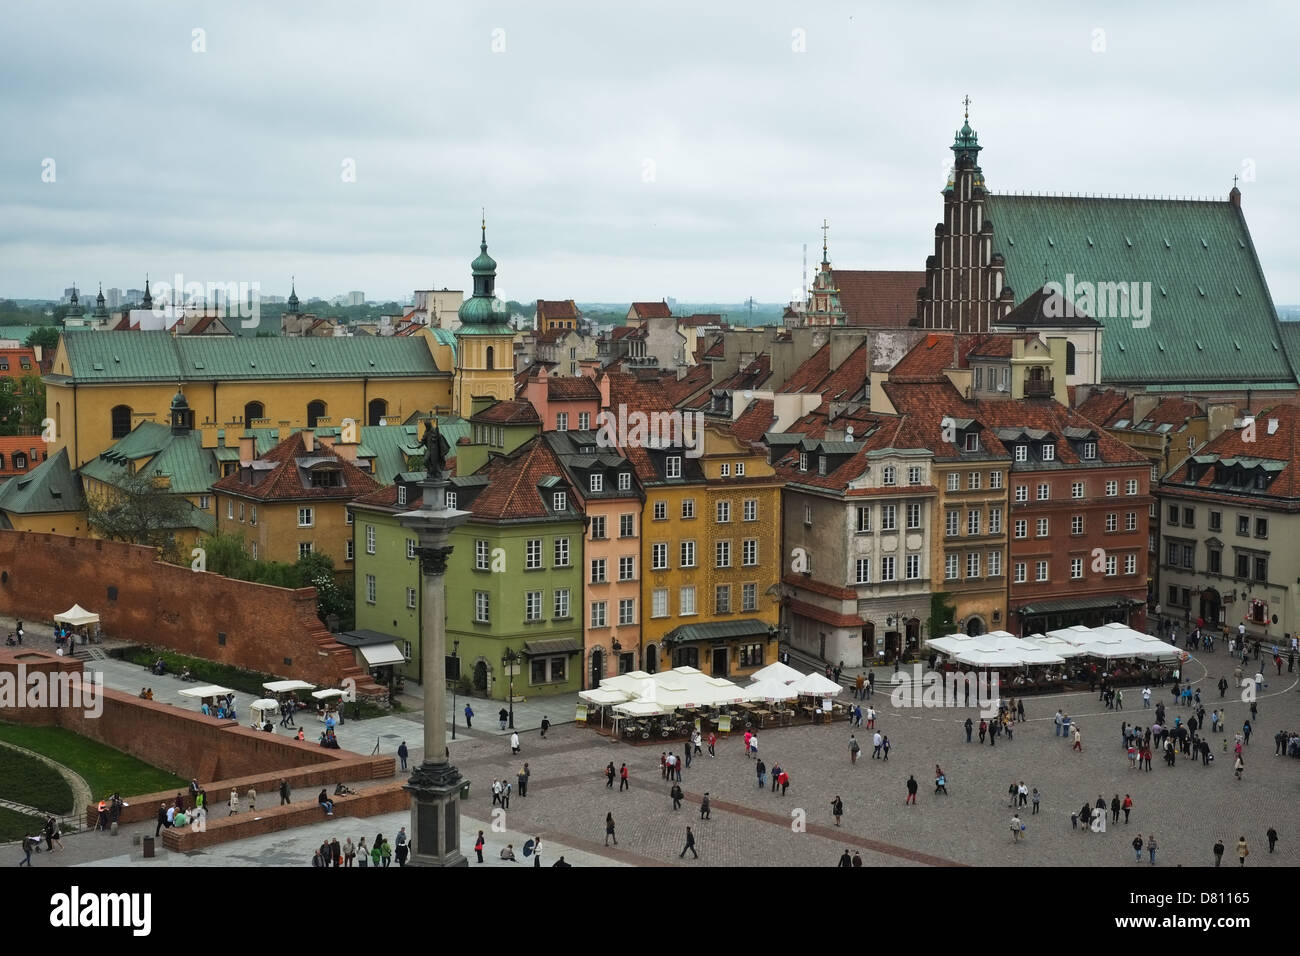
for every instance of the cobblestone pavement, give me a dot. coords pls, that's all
(1187, 806)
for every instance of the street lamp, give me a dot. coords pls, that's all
(509, 661)
(455, 653)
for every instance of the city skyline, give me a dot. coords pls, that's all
(645, 171)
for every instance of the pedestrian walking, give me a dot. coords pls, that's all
(233, 803)
(251, 797)
(402, 753)
(690, 845)
(363, 852)
(609, 775)
(1243, 851)
(911, 791)
(969, 727)
(1037, 797)
(705, 812)
(854, 749)
(713, 740)
(1218, 852)
(885, 745)
(522, 777)
(1137, 847)
(1238, 767)
(478, 846)
(762, 774)
(469, 717)
(676, 794)
(349, 852)
(837, 809)
(1017, 828)
(1151, 847)
(622, 781)
(877, 742)
(776, 776)
(1127, 807)
(1114, 809)
(1272, 839)
(1078, 740)
(546, 725)
(503, 715)
(514, 743)
(609, 829)
(784, 780)
(984, 728)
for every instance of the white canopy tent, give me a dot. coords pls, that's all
(327, 694)
(1055, 645)
(994, 649)
(770, 689)
(206, 691)
(286, 686)
(77, 616)
(1114, 641)
(603, 696)
(816, 685)
(777, 671)
(264, 706)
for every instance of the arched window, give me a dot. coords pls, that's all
(1069, 358)
(651, 659)
(597, 666)
(377, 409)
(253, 410)
(315, 411)
(490, 353)
(121, 421)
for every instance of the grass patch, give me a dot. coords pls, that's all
(106, 770)
(29, 781)
(15, 826)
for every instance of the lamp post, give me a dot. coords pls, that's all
(455, 653)
(509, 661)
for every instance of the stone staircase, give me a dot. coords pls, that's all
(344, 660)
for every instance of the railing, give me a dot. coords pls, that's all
(1038, 388)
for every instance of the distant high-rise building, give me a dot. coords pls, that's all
(133, 296)
(356, 297)
(113, 298)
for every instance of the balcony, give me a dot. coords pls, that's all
(1038, 388)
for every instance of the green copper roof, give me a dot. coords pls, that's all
(49, 488)
(1211, 316)
(191, 467)
(159, 357)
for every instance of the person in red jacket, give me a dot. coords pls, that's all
(623, 784)
(784, 780)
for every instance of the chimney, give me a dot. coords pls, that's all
(208, 435)
(283, 431)
(309, 440)
(1144, 405)
(345, 452)
(247, 449)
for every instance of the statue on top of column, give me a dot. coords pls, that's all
(435, 449)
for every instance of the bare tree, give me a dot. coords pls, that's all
(141, 511)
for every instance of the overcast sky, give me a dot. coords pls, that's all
(623, 151)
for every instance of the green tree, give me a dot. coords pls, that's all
(46, 336)
(31, 403)
(943, 615)
(140, 511)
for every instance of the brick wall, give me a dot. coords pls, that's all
(140, 598)
(386, 799)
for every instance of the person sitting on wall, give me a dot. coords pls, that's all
(326, 803)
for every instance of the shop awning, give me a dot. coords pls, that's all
(558, 645)
(381, 655)
(717, 631)
(1074, 604)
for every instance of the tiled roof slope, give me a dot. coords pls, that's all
(879, 298)
(285, 480)
(512, 491)
(1268, 454)
(1212, 317)
(48, 488)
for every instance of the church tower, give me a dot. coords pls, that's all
(824, 306)
(485, 342)
(965, 284)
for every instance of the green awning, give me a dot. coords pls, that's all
(1072, 604)
(717, 631)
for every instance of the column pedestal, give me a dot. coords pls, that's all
(435, 815)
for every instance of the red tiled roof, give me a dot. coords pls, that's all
(651, 310)
(1173, 411)
(557, 309)
(716, 350)
(877, 297)
(285, 480)
(826, 616)
(1280, 446)
(551, 336)
(513, 412)
(386, 497)
(512, 490)
(755, 421)
(576, 388)
(808, 375)
(29, 446)
(702, 318)
(1104, 406)
(621, 331)
(928, 359)
(11, 359)
(820, 587)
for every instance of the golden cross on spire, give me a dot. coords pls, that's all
(1234, 181)
(966, 104)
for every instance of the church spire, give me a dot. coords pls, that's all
(147, 301)
(100, 311)
(966, 143)
(293, 296)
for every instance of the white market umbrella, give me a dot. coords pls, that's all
(817, 686)
(769, 689)
(778, 671)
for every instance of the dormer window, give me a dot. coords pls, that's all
(803, 461)
(888, 475)
(1022, 452)
(327, 478)
(726, 469)
(560, 501)
(1089, 450)
(821, 464)
(451, 500)
(972, 441)
(1261, 481)
(401, 495)
(625, 481)
(674, 466)
(1049, 452)
(597, 483)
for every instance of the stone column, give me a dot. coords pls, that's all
(435, 785)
